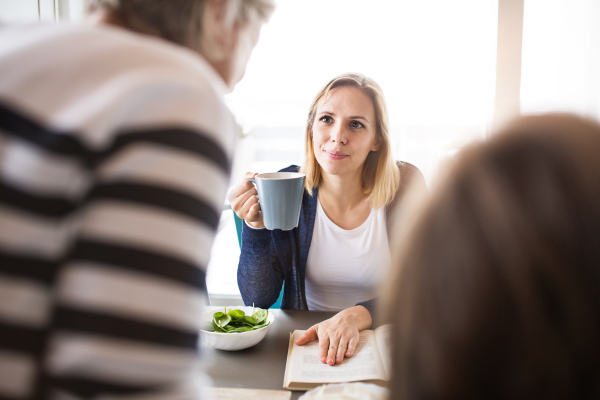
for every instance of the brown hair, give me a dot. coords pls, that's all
(179, 21)
(497, 287)
(380, 176)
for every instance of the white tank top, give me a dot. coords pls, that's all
(345, 267)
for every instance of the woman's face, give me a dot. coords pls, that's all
(344, 131)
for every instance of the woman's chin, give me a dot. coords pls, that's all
(334, 168)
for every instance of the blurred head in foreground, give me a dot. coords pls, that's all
(223, 31)
(497, 292)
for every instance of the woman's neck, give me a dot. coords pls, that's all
(343, 200)
(342, 191)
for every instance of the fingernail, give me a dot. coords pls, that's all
(330, 361)
(322, 359)
(339, 359)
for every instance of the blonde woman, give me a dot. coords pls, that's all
(335, 258)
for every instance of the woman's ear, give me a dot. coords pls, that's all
(376, 143)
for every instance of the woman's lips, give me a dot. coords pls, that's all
(336, 155)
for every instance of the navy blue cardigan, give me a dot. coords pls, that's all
(268, 258)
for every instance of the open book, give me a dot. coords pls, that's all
(371, 362)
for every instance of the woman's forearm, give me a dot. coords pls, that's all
(258, 278)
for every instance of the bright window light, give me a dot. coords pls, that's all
(561, 57)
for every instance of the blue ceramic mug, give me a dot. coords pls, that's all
(280, 198)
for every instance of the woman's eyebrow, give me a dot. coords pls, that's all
(361, 118)
(325, 112)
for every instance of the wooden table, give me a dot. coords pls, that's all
(261, 366)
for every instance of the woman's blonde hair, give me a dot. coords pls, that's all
(380, 175)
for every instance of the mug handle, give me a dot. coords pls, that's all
(253, 181)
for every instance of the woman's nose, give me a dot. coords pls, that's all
(339, 135)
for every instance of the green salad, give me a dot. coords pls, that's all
(236, 321)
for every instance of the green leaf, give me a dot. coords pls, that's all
(260, 315)
(217, 328)
(261, 325)
(221, 319)
(242, 329)
(236, 321)
(236, 313)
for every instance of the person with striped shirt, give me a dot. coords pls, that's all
(115, 155)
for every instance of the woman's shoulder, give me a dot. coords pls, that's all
(409, 174)
(291, 168)
(410, 177)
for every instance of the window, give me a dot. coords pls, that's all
(16, 11)
(561, 57)
(19, 11)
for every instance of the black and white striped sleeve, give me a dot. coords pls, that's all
(131, 289)
(115, 151)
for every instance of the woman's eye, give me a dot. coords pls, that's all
(326, 119)
(356, 124)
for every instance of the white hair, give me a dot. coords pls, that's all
(240, 12)
(182, 21)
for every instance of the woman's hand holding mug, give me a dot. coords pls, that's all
(280, 196)
(244, 202)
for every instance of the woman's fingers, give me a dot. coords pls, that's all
(254, 213)
(244, 200)
(341, 351)
(352, 343)
(338, 336)
(238, 203)
(254, 216)
(309, 335)
(244, 210)
(333, 350)
(323, 349)
(241, 187)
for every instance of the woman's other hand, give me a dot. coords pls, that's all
(338, 336)
(244, 202)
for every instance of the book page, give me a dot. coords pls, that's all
(247, 394)
(383, 336)
(364, 365)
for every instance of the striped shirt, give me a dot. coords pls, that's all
(115, 153)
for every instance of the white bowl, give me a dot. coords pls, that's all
(234, 341)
